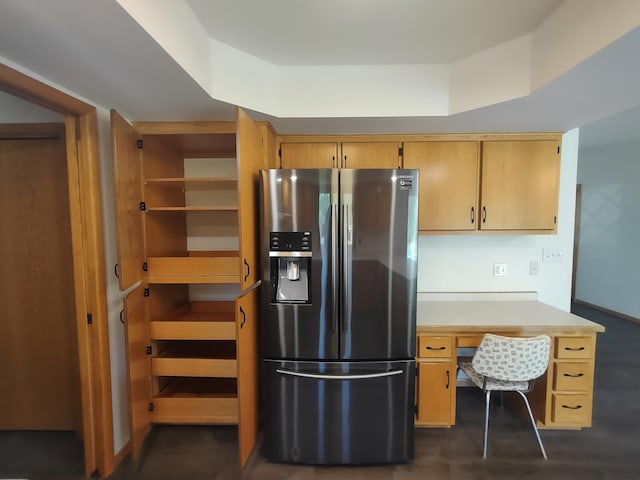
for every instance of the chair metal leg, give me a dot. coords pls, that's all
(485, 443)
(533, 422)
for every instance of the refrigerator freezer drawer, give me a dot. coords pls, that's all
(338, 412)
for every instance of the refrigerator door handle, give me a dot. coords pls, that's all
(323, 376)
(334, 267)
(346, 268)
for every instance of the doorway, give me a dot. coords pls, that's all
(85, 333)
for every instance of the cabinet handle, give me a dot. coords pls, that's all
(574, 349)
(116, 270)
(473, 215)
(448, 380)
(248, 269)
(334, 164)
(484, 214)
(344, 162)
(244, 318)
(436, 348)
(122, 317)
(577, 407)
(577, 375)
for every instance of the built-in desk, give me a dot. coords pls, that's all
(562, 398)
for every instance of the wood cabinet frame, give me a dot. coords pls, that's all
(87, 238)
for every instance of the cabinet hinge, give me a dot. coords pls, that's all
(400, 151)
(149, 350)
(89, 319)
(151, 406)
(145, 267)
(139, 144)
(146, 292)
(143, 206)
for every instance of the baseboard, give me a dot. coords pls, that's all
(607, 311)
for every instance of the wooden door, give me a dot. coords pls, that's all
(519, 189)
(250, 160)
(309, 155)
(371, 155)
(436, 393)
(448, 195)
(39, 370)
(247, 318)
(128, 195)
(138, 367)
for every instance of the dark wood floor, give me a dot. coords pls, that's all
(610, 450)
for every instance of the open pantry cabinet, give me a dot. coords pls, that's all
(187, 240)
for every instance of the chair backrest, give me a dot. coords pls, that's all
(515, 359)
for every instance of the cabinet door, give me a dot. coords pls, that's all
(436, 393)
(371, 155)
(308, 155)
(128, 195)
(519, 188)
(138, 367)
(247, 361)
(249, 153)
(448, 183)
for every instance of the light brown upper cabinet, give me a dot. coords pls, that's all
(186, 217)
(309, 155)
(519, 188)
(486, 185)
(339, 155)
(448, 183)
(370, 155)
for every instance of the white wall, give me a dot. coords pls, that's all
(464, 263)
(608, 267)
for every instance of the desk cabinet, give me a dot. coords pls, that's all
(436, 388)
(562, 398)
(569, 383)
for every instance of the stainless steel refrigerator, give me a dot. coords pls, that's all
(339, 261)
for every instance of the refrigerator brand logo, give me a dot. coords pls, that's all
(406, 183)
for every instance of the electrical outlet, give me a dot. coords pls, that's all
(533, 268)
(499, 269)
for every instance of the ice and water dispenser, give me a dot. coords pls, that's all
(290, 265)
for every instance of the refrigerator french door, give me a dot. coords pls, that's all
(339, 261)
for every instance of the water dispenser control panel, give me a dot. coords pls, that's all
(290, 241)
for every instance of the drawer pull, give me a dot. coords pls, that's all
(577, 407)
(572, 349)
(436, 348)
(577, 375)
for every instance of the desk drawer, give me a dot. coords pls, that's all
(572, 409)
(575, 347)
(435, 346)
(576, 376)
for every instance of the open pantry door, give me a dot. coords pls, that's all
(138, 368)
(128, 195)
(249, 158)
(247, 356)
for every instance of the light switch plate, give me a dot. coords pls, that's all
(551, 255)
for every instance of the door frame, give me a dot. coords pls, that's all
(87, 239)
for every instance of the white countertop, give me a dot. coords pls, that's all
(503, 316)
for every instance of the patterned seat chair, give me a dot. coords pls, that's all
(508, 364)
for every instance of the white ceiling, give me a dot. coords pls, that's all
(96, 50)
(368, 32)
